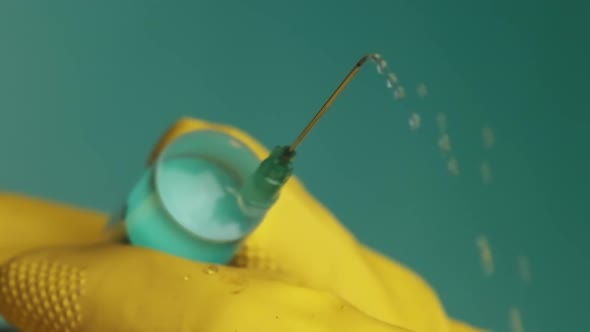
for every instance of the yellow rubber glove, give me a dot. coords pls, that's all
(299, 271)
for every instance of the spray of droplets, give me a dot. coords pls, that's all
(398, 91)
(445, 144)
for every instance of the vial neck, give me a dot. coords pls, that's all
(261, 190)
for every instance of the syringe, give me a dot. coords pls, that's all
(262, 188)
(203, 196)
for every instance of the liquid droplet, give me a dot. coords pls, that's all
(376, 57)
(524, 269)
(485, 254)
(399, 92)
(453, 166)
(391, 79)
(382, 66)
(444, 143)
(516, 320)
(441, 122)
(415, 121)
(488, 137)
(380, 62)
(486, 172)
(211, 269)
(422, 90)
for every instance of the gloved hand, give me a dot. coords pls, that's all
(299, 271)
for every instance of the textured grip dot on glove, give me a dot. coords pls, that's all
(41, 295)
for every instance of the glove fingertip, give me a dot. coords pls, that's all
(38, 294)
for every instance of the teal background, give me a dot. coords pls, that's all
(86, 88)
